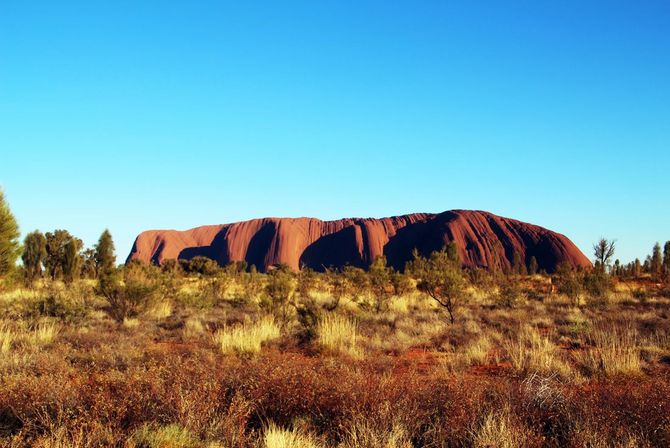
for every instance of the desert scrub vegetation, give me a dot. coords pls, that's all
(208, 356)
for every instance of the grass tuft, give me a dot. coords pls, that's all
(497, 430)
(615, 351)
(275, 437)
(6, 339)
(338, 334)
(248, 337)
(45, 333)
(160, 310)
(131, 322)
(170, 436)
(532, 352)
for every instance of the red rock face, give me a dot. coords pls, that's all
(483, 240)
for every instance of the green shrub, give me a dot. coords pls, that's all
(509, 295)
(568, 282)
(126, 299)
(596, 283)
(200, 265)
(280, 289)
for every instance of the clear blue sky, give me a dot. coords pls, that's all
(157, 114)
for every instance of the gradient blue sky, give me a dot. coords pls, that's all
(157, 114)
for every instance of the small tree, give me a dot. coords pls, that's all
(88, 267)
(72, 260)
(596, 284)
(357, 282)
(603, 252)
(307, 282)
(280, 288)
(128, 298)
(440, 276)
(34, 255)
(252, 284)
(380, 282)
(9, 238)
(656, 261)
(56, 243)
(105, 259)
(568, 282)
(509, 295)
(402, 284)
(340, 287)
(666, 260)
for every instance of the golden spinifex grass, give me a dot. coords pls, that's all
(276, 437)
(338, 333)
(247, 338)
(615, 350)
(6, 339)
(44, 333)
(532, 352)
(204, 368)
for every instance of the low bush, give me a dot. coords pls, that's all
(509, 295)
(126, 299)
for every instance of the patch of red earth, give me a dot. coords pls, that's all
(494, 369)
(423, 361)
(417, 359)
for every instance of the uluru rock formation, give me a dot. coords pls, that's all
(483, 240)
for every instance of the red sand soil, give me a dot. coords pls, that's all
(483, 239)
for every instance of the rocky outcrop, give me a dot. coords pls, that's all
(483, 240)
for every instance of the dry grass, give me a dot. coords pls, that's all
(131, 322)
(615, 351)
(532, 352)
(160, 310)
(193, 327)
(44, 333)
(338, 334)
(61, 437)
(478, 352)
(276, 437)
(248, 337)
(7, 338)
(497, 430)
(364, 434)
(170, 436)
